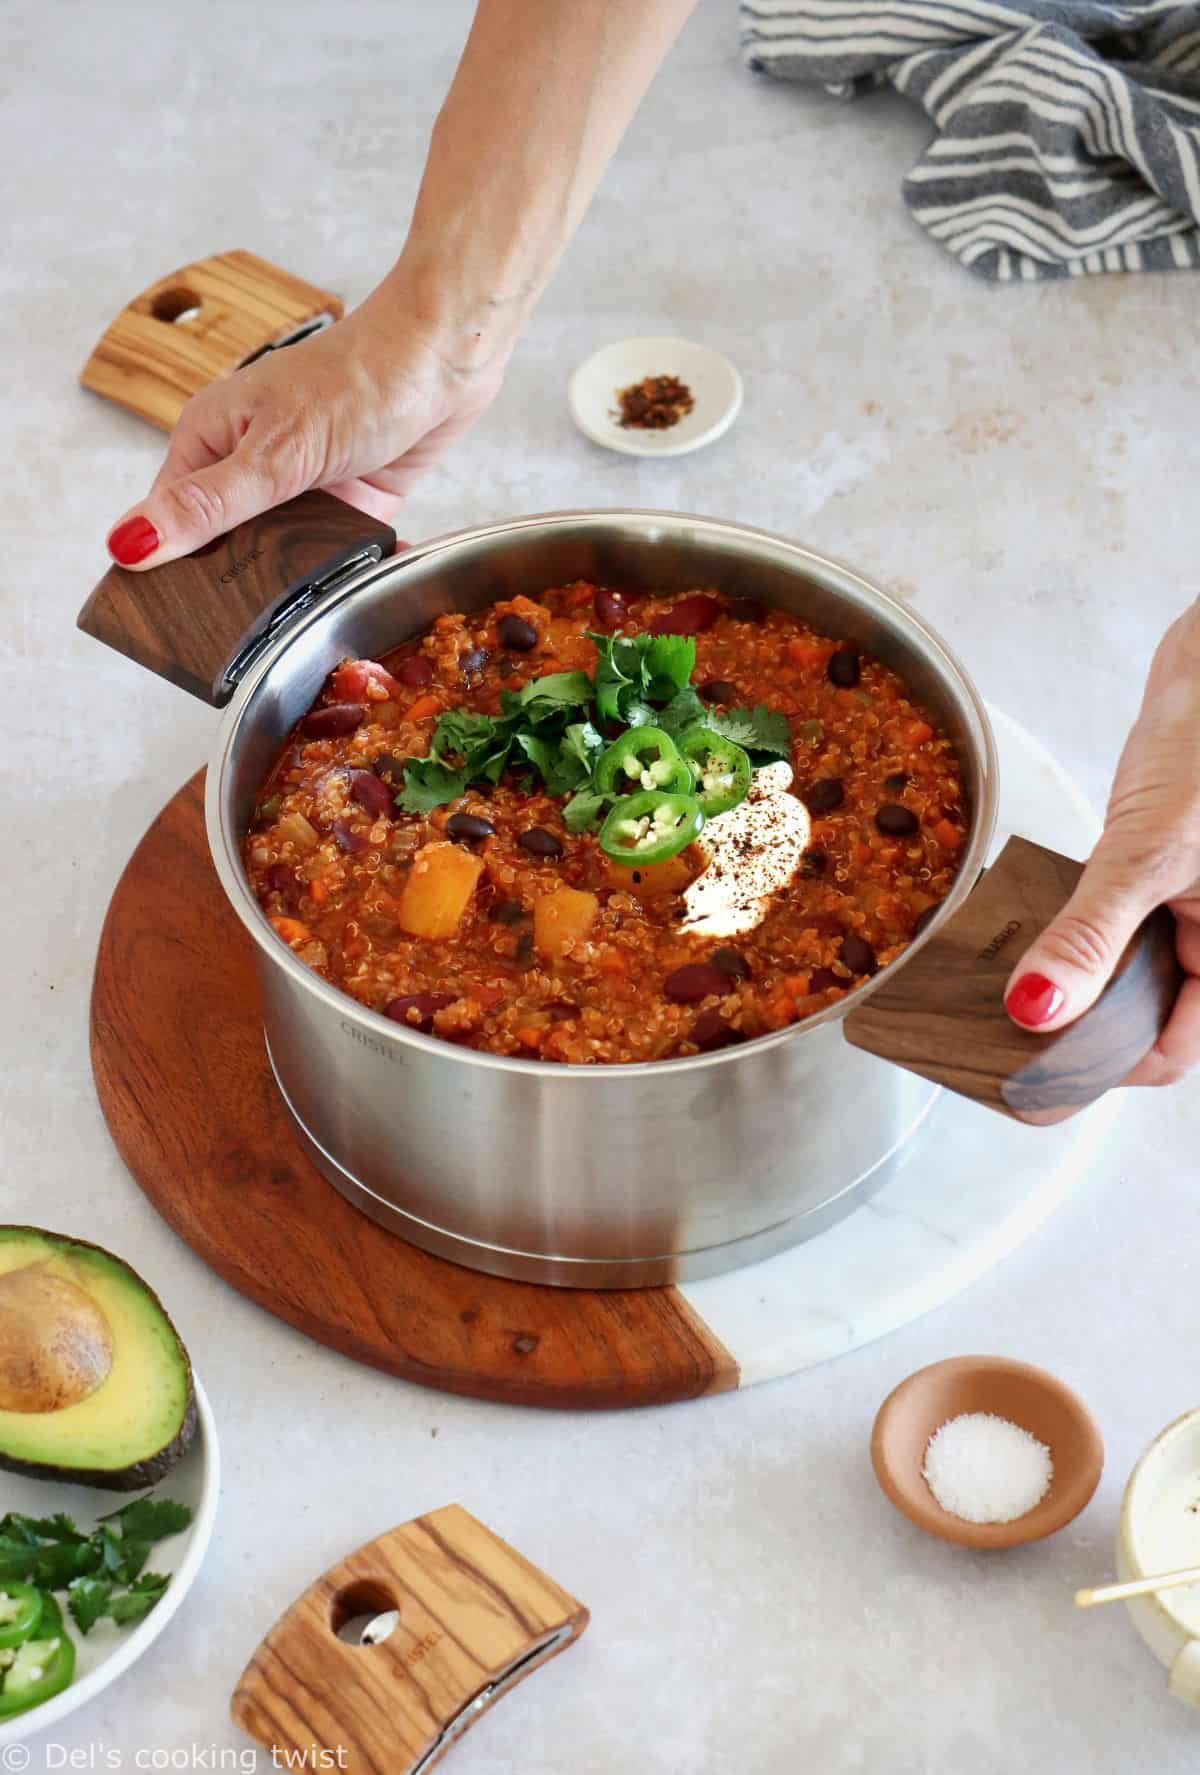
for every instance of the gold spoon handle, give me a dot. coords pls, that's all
(1087, 1599)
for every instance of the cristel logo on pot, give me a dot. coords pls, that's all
(237, 567)
(999, 941)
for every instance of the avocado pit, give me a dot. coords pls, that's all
(56, 1346)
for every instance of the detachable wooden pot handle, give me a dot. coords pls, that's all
(201, 621)
(942, 1013)
(461, 1618)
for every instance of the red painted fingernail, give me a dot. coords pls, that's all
(1033, 999)
(132, 541)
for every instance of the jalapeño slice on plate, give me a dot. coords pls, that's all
(40, 1667)
(643, 758)
(650, 827)
(719, 768)
(20, 1612)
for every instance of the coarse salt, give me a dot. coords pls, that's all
(981, 1468)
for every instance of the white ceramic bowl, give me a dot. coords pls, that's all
(108, 1650)
(715, 385)
(1160, 1532)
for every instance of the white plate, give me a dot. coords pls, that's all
(715, 384)
(108, 1650)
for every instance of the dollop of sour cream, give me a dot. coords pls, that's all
(752, 853)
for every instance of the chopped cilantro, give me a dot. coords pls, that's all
(758, 731)
(93, 1569)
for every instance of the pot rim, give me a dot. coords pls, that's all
(224, 845)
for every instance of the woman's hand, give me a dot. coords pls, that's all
(361, 409)
(1148, 855)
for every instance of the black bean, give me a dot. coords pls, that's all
(858, 955)
(710, 1031)
(814, 862)
(333, 720)
(508, 912)
(347, 839)
(821, 979)
(896, 821)
(719, 690)
(372, 793)
(416, 1011)
(506, 667)
(823, 796)
(473, 662)
(540, 843)
(926, 918)
(468, 828)
(843, 668)
(694, 981)
(731, 962)
(747, 610)
(897, 782)
(517, 634)
(391, 769)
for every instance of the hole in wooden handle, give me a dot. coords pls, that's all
(176, 306)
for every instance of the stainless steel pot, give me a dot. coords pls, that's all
(607, 1176)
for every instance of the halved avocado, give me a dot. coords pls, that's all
(95, 1385)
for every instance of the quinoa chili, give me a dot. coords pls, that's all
(488, 922)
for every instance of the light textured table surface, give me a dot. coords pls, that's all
(1016, 463)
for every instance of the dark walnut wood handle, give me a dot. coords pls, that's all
(194, 620)
(942, 1014)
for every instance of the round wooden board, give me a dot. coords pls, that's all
(183, 1080)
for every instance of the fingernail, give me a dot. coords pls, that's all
(132, 541)
(1033, 999)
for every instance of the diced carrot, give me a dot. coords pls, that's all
(919, 732)
(424, 705)
(319, 891)
(530, 1038)
(291, 930)
(948, 835)
(807, 653)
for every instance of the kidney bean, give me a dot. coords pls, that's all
(710, 1031)
(896, 782)
(719, 690)
(694, 981)
(416, 1011)
(468, 828)
(472, 663)
(896, 821)
(823, 796)
(611, 607)
(843, 668)
(814, 862)
(283, 880)
(747, 610)
(731, 962)
(352, 680)
(540, 843)
(821, 979)
(415, 671)
(858, 955)
(334, 719)
(517, 634)
(509, 912)
(372, 793)
(926, 918)
(347, 839)
(691, 616)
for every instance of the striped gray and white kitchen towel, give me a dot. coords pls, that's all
(1068, 130)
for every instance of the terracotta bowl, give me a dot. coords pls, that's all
(1014, 1390)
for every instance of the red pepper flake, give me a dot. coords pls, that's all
(654, 403)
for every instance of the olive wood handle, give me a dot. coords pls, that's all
(192, 619)
(474, 1619)
(942, 1014)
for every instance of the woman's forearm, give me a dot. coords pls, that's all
(542, 96)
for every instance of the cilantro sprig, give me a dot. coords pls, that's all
(552, 727)
(102, 1571)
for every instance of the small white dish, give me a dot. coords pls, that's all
(1160, 1532)
(108, 1650)
(594, 390)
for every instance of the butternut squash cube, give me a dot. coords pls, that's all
(561, 919)
(649, 880)
(438, 890)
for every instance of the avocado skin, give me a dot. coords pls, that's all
(139, 1474)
